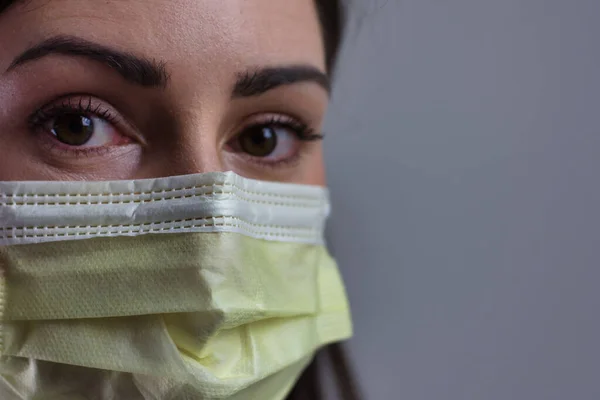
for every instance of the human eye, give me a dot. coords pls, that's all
(272, 140)
(80, 125)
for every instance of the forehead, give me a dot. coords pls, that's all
(186, 33)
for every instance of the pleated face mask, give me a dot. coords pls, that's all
(207, 286)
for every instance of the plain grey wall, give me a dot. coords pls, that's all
(463, 155)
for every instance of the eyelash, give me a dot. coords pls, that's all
(85, 105)
(301, 130)
(47, 113)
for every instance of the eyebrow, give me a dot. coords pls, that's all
(151, 73)
(135, 69)
(256, 82)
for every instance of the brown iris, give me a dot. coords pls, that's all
(73, 129)
(259, 141)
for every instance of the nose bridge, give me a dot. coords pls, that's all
(192, 160)
(193, 146)
(193, 112)
(197, 148)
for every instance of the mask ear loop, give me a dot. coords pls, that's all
(310, 384)
(345, 377)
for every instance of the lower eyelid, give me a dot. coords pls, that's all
(304, 148)
(50, 144)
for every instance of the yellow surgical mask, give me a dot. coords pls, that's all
(206, 286)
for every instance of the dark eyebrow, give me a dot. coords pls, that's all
(138, 70)
(256, 82)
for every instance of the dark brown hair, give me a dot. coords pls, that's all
(332, 17)
(309, 386)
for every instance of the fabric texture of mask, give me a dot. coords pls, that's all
(206, 286)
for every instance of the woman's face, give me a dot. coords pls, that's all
(131, 89)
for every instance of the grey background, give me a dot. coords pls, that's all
(462, 154)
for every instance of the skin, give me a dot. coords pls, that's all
(188, 126)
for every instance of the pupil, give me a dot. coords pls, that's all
(262, 137)
(259, 141)
(73, 129)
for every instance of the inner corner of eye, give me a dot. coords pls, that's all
(233, 144)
